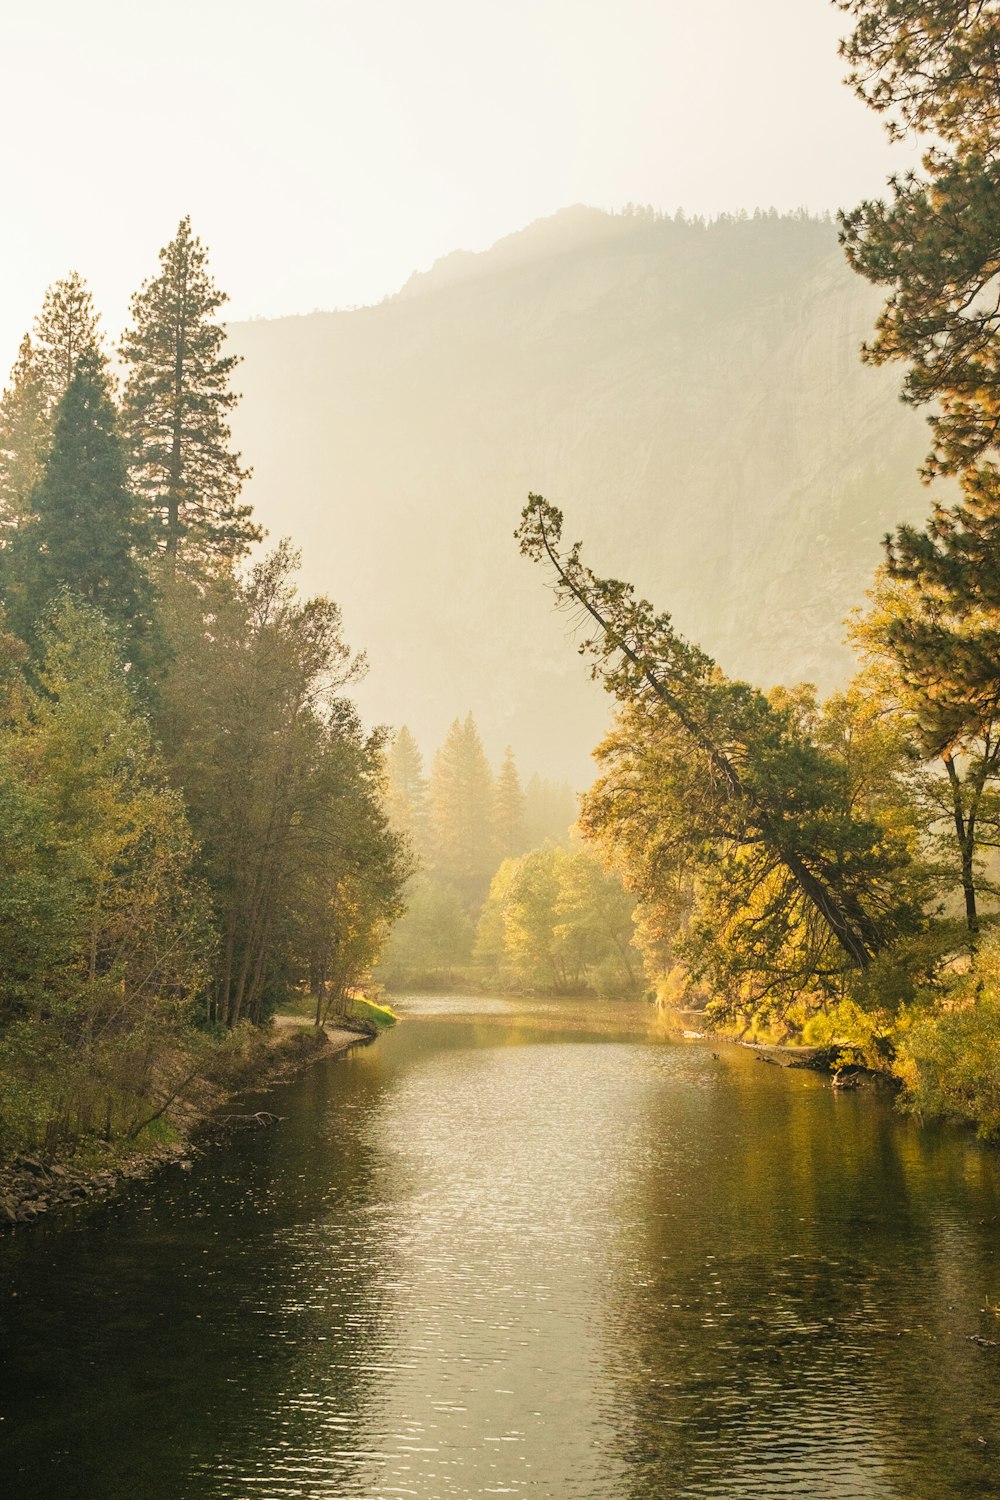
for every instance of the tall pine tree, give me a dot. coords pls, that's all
(463, 848)
(407, 790)
(66, 330)
(84, 534)
(509, 810)
(176, 405)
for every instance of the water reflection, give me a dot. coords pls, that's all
(795, 1284)
(519, 1249)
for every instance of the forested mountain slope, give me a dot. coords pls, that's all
(692, 397)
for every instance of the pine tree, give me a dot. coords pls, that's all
(407, 790)
(509, 810)
(176, 404)
(741, 783)
(83, 535)
(66, 330)
(463, 849)
(930, 67)
(24, 436)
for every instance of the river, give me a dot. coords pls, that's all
(526, 1249)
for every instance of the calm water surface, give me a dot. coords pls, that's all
(529, 1250)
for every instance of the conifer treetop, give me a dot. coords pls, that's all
(177, 399)
(68, 327)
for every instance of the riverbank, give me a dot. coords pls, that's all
(836, 1060)
(33, 1186)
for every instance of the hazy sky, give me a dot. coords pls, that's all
(325, 150)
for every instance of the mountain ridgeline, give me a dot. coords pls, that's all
(691, 395)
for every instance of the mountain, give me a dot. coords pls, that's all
(692, 396)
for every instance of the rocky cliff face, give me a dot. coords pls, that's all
(692, 398)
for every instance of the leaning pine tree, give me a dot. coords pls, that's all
(176, 404)
(811, 888)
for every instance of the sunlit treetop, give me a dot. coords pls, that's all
(928, 65)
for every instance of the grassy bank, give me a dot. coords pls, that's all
(95, 1166)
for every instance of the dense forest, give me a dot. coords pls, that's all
(193, 814)
(826, 870)
(198, 827)
(505, 895)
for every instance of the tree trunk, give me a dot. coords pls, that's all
(965, 828)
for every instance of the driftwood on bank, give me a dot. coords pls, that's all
(261, 1118)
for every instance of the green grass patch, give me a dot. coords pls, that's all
(381, 1016)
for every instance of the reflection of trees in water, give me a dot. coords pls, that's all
(203, 1340)
(798, 1277)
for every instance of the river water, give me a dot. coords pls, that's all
(522, 1249)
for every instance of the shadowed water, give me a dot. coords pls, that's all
(522, 1249)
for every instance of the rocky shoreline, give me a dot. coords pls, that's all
(34, 1186)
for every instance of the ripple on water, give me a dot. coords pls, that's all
(494, 1255)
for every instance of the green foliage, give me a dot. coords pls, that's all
(176, 405)
(466, 828)
(83, 534)
(284, 788)
(462, 828)
(382, 1016)
(154, 905)
(40, 919)
(104, 938)
(67, 330)
(862, 1038)
(950, 1057)
(927, 65)
(509, 806)
(798, 880)
(406, 796)
(560, 921)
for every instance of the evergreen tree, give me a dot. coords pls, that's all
(509, 810)
(462, 840)
(929, 66)
(24, 436)
(66, 330)
(176, 404)
(407, 790)
(83, 535)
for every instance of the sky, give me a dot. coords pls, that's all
(327, 150)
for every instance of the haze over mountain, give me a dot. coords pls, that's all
(691, 396)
